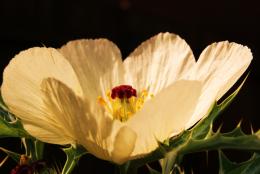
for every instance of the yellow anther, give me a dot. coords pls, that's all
(101, 101)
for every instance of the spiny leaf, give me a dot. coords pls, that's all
(9, 125)
(252, 166)
(179, 139)
(73, 155)
(12, 129)
(235, 132)
(223, 141)
(224, 163)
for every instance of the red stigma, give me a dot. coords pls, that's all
(123, 91)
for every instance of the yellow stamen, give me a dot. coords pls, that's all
(123, 108)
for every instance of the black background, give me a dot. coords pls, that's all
(28, 23)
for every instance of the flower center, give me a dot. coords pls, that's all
(123, 91)
(123, 102)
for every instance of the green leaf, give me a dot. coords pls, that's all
(73, 155)
(12, 129)
(252, 166)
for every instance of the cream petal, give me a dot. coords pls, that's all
(46, 133)
(65, 107)
(158, 62)
(124, 145)
(21, 88)
(97, 63)
(219, 66)
(74, 115)
(101, 136)
(164, 115)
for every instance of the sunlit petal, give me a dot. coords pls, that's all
(92, 61)
(158, 62)
(164, 115)
(219, 66)
(22, 92)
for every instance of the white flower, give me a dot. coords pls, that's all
(74, 95)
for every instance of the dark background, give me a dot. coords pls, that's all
(28, 23)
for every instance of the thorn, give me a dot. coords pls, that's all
(162, 148)
(219, 128)
(251, 128)
(239, 123)
(43, 45)
(210, 132)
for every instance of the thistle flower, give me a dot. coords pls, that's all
(118, 110)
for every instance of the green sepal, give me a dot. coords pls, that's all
(73, 155)
(251, 166)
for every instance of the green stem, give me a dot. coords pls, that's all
(69, 165)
